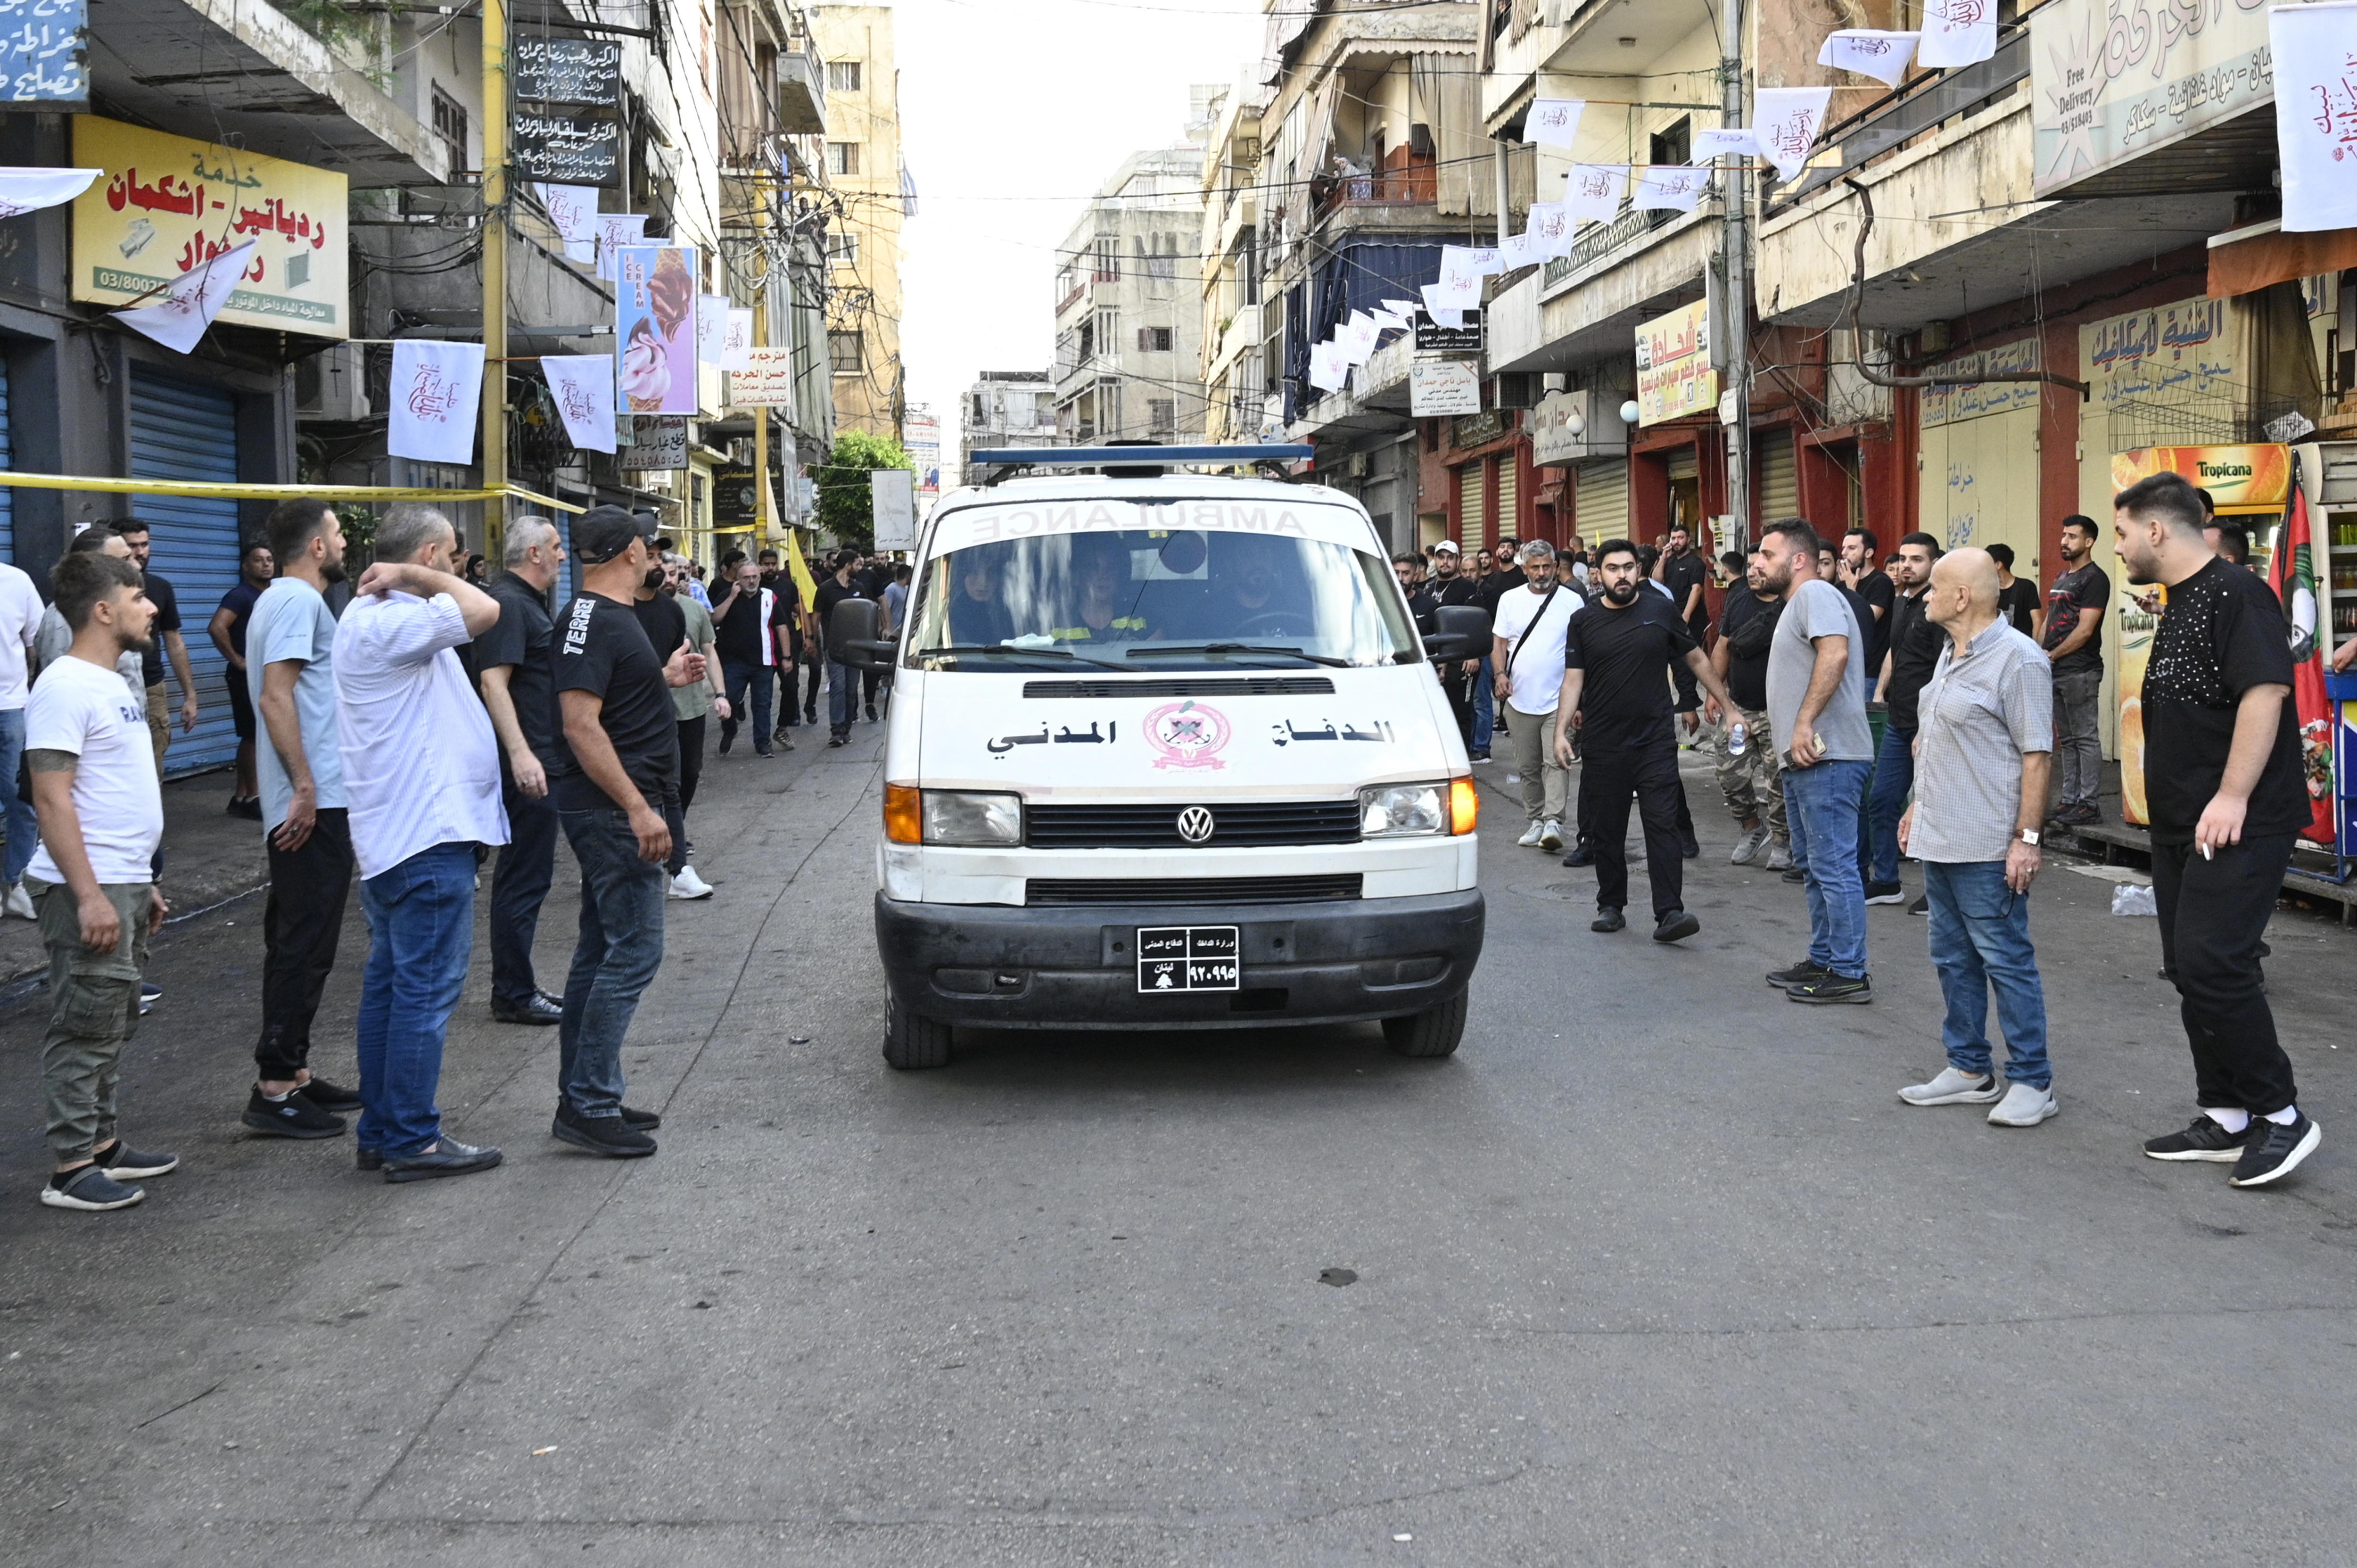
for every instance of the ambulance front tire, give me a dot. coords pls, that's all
(1433, 1032)
(911, 1042)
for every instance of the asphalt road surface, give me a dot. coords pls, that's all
(1656, 1269)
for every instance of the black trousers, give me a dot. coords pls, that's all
(2213, 916)
(1650, 773)
(520, 884)
(789, 709)
(690, 758)
(309, 888)
(813, 681)
(1588, 808)
(1458, 687)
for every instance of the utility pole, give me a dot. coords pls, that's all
(1731, 336)
(764, 518)
(495, 272)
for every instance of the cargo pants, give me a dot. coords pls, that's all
(93, 1013)
(1753, 784)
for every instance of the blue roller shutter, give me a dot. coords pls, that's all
(183, 431)
(7, 460)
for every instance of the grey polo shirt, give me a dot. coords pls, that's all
(1987, 704)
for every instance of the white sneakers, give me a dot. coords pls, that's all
(2018, 1105)
(1551, 835)
(688, 884)
(20, 903)
(1529, 839)
(1747, 848)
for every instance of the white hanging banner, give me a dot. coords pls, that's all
(1327, 370)
(2316, 115)
(1550, 227)
(1552, 122)
(1743, 143)
(23, 190)
(711, 328)
(1869, 51)
(737, 347)
(1462, 269)
(437, 392)
(616, 229)
(1957, 32)
(1403, 308)
(191, 301)
(1438, 300)
(1786, 120)
(1593, 191)
(1393, 321)
(1522, 251)
(1358, 338)
(1669, 184)
(1449, 320)
(582, 386)
(571, 210)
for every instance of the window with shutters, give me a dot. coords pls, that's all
(847, 352)
(1780, 494)
(843, 76)
(1154, 340)
(1470, 501)
(1107, 324)
(1162, 415)
(843, 158)
(450, 128)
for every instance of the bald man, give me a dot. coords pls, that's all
(1984, 749)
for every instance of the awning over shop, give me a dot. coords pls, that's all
(2245, 260)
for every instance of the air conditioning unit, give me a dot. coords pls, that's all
(333, 384)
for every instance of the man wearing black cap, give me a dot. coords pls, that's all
(616, 778)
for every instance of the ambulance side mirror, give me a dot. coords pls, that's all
(851, 636)
(1460, 632)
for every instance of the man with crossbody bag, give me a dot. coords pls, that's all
(1526, 651)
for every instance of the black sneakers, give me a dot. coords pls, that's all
(1832, 988)
(1688, 846)
(2274, 1151)
(2203, 1139)
(121, 1162)
(1800, 973)
(1584, 854)
(608, 1136)
(1675, 925)
(292, 1117)
(1608, 919)
(1884, 893)
(536, 1009)
(330, 1095)
(643, 1121)
(90, 1188)
(447, 1157)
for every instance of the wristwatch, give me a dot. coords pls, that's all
(2029, 837)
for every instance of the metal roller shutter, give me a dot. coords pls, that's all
(182, 431)
(1510, 489)
(1472, 486)
(1601, 503)
(7, 460)
(1684, 464)
(1779, 476)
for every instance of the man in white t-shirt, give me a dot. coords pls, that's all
(102, 816)
(1526, 651)
(422, 790)
(20, 617)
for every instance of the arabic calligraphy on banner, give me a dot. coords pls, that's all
(166, 205)
(1673, 372)
(1954, 405)
(2112, 80)
(568, 149)
(2170, 354)
(565, 71)
(44, 53)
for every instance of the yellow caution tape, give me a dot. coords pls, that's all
(204, 489)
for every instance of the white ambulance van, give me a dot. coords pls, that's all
(1166, 751)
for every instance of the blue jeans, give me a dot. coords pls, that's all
(23, 827)
(1485, 706)
(842, 698)
(743, 680)
(1980, 938)
(1823, 804)
(620, 948)
(1894, 777)
(421, 918)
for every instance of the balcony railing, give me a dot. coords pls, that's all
(1627, 229)
(1920, 106)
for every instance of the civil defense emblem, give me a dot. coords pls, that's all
(1188, 735)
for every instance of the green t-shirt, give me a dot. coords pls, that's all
(694, 700)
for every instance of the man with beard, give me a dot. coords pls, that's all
(290, 671)
(520, 693)
(1616, 654)
(1684, 573)
(1408, 567)
(1748, 777)
(1450, 585)
(2223, 786)
(102, 815)
(1915, 643)
(2070, 632)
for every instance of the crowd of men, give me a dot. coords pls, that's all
(433, 726)
(1865, 706)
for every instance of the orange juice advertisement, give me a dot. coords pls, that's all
(2136, 628)
(2256, 476)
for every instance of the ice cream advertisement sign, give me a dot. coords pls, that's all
(654, 327)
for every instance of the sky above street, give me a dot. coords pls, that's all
(1013, 112)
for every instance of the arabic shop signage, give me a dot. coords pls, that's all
(166, 204)
(44, 54)
(1976, 399)
(567, 70)
(564, 149)
(1673, 374)
(2235, 477)
(2182, 355)
(2113, 80)
(657, 441)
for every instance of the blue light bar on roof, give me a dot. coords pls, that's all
(1101, 457)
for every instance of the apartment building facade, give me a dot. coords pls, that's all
(871, 196)
(1129, 308)
(1004, 409)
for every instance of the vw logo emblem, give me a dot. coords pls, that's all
(1195, 825)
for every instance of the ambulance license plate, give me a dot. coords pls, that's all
(1188, 957)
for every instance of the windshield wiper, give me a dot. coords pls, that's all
(1009, 650)
(1158, 647)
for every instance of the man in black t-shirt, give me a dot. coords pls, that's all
(1683, 574)
(1748, 779)
(2016, 597)
(615, 773)
(1863, 575)
(2071, 633)
(164, 641)
(519, 687)
(2225, 797)
(842, 680)
(1616, 652)
(1451, 585)
(1915, 644)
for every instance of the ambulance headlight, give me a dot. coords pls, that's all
(1403, 811)
(973, 819)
